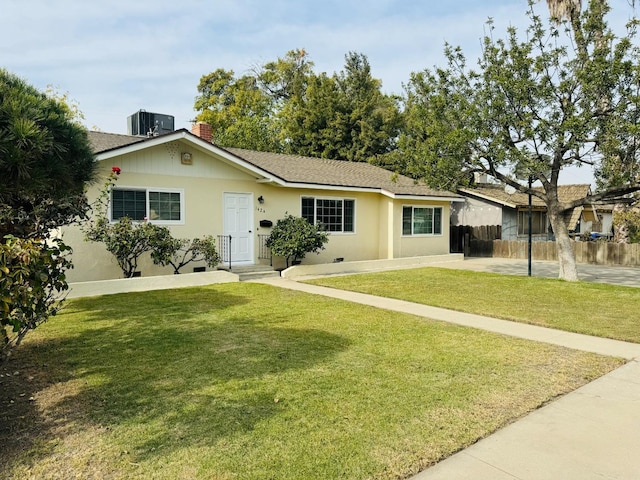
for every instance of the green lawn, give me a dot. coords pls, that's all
(590, 308)
(247, 381)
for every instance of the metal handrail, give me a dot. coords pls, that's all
(264, 252)
(224, 248)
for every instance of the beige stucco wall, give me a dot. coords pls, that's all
(204, 183)
(413, 246)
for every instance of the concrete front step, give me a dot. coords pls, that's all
(252, 272)
(248, 276)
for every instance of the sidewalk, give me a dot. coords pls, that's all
(591, 433)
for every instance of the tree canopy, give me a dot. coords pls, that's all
(284, 106)
(45, 161)
(562, 93)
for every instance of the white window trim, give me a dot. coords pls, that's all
(147, 190)
(323, 197)
(414, 235)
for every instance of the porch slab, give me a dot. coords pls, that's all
(299, 272)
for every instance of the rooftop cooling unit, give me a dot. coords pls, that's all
(143, 123)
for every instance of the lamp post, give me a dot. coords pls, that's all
(530, 225)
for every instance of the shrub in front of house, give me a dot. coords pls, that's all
(179, 252)
(128, 239)
(294, 237)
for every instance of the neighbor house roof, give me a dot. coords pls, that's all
(496, 193)
(566, 193)
(291, 170)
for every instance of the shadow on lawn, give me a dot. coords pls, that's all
(179, 362)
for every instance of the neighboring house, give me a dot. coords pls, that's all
(490, 204)
(604, 226)
(181, 180)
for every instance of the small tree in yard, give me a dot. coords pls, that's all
(128, 240)
(294, 237)
(180, 252)
(626, 223)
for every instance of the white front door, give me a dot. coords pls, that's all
(238, 222)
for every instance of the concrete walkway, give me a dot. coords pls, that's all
(591, 433)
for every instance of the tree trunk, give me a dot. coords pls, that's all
(566, 256)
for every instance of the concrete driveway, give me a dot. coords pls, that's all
(615, 275)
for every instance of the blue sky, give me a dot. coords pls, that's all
(115, 57)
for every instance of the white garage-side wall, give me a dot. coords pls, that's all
(475, 213)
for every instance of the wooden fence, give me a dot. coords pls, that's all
(598, 253)
(460, 235)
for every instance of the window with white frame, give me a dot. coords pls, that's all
(156, 205)
(421, 220)
(335, 214)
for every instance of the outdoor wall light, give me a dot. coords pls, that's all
(260, 199)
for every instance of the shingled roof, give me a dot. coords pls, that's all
(320, 171)
(299, 170)
(101, 142)
(496, 193)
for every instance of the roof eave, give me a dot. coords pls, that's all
(139, 145)
(347, 188)
(474, 193)
(318, 186)
(436, 198)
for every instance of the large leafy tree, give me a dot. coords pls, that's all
(238, 109)
(287, 77)
(244, 111)
(45, 161)
(345, 116)
(566, 94)
(306, 120)
(284, 106)
(371, 120)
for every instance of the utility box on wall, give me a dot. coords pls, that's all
(143, 123)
